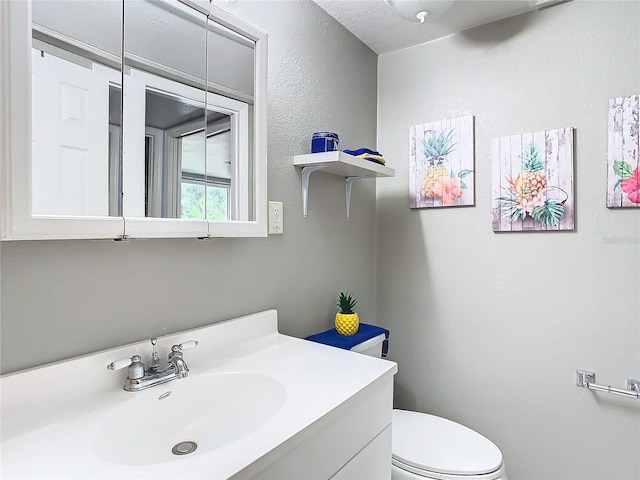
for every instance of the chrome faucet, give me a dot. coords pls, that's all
(158, 372)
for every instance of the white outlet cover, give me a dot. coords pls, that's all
(276, 218)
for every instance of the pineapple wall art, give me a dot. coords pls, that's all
(532, 181)
(623, 153)
(441, 158)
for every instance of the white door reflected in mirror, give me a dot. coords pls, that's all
(70, 133)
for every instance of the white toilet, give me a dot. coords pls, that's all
(425, 446)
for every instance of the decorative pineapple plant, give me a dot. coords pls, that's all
(347, 321)
(528, 193)
(533, 178)
(436, 149)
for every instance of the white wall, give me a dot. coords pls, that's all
(488, 328)
(65, 298)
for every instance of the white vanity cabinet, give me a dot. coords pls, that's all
(351, 442)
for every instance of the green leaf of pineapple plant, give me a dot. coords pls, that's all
(436, 148)
(346, 302)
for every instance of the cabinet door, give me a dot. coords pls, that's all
(372, 462)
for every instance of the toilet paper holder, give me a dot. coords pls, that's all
(587, 379)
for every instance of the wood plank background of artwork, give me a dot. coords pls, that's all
(553, 149)
(623, 146)
(459, 159)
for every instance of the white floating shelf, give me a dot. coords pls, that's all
(343, 164)
(338, 163)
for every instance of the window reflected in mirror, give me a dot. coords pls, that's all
(188, 187)
(207, 192)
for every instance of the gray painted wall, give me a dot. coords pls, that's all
(488, 328)
(65, 298)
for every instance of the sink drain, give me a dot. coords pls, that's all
(184, 448)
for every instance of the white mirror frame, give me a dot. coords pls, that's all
(16, 219)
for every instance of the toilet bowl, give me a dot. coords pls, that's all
(427, 446)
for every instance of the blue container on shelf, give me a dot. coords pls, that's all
(324, 142)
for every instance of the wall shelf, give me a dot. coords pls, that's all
(341, 164)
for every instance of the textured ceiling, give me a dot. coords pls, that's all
(377, 25)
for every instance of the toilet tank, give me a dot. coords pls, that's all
(371, 347)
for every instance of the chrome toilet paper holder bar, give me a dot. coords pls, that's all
(587, 379)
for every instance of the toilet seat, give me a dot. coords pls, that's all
(434, 447)
(405, 472)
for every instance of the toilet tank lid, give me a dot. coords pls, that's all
(438, 445)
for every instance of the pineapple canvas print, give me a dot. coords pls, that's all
(441, 161)
(623, 154)
(533, 181)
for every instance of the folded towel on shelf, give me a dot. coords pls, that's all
(367, 154)
(373, 158)
(361, 151)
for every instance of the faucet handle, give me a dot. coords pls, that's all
(187, 345)
(118, 364)
(136, 368)
(176, 350)
(125, 362)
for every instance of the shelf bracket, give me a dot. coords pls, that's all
(306, 173)
(349, 182)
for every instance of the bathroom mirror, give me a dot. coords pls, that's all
(147, 120)
(74, 121)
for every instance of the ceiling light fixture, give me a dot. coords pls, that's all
(422, 15)
(419, 10)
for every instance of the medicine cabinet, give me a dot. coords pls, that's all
(131, 118)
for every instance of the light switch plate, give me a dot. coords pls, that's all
(276, 218)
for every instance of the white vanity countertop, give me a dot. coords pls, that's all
(52, 416)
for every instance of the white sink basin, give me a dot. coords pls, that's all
(202, 409)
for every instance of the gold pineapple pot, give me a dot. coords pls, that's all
(347, 323)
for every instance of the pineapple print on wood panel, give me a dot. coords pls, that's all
(623, 154)
(441, 161)
(533, 181)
